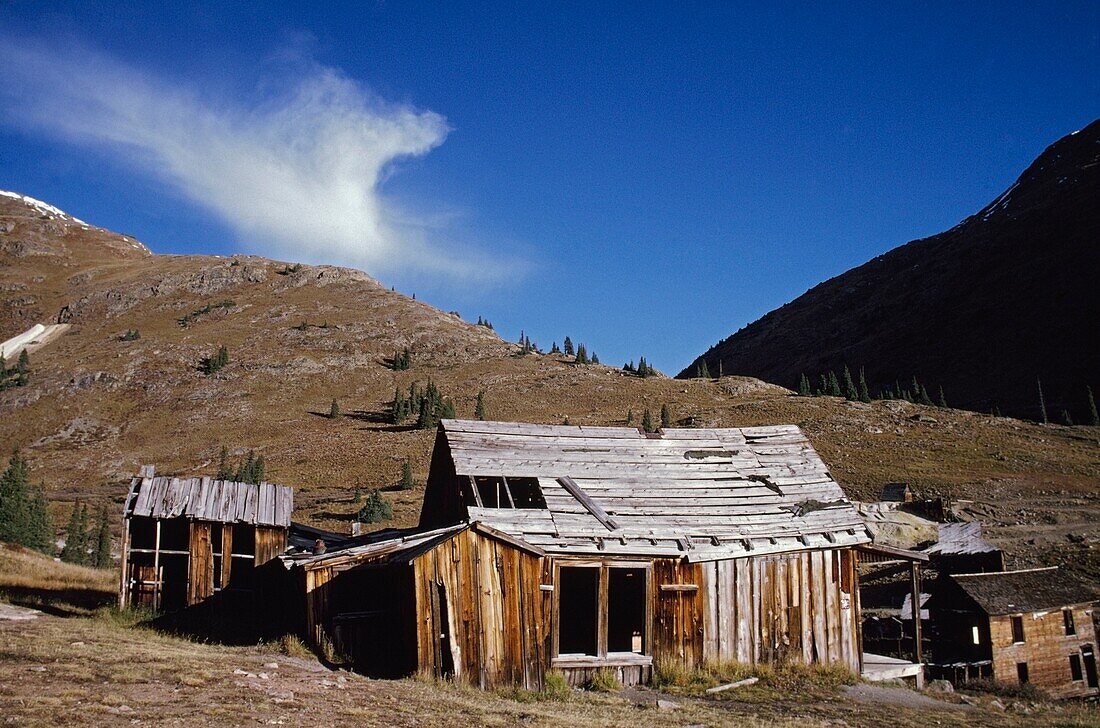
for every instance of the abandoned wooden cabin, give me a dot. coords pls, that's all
(579, 548)
(1031, 626)
(186, 539)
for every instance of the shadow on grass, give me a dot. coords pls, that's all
(69, 602)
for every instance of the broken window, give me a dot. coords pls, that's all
(578, 609)
(501, 492)
(1075, 668)
(1067, 619)
(1017, 629)
(1021, 672)
(602, 610)
(625, 610)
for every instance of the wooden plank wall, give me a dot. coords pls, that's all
(200, 578)
(678, 615)
(489, 592)
(801, 607)
(270, 542)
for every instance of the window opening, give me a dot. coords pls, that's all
(500, 492)
(526, 493)
(1017, 629)
(626, 598)
(1067, 619)
(975, 635)
(578, 609)
(1075, 673)
(1021, 672)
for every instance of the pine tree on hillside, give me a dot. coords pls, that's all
(595, 358)
(834, 386)
(864, 393)
(40, 533)
(1094, 417)
(14, 510)
(75, 550)
(406, 482)
(225, 471)
(568, 350)
(1067, 419)
(630, 417)
(943, 399)
(666, 416)
(850, 391)
(376, 509)
(1042, 402)
(647, 421)
(822, 386)
(479, 407)
(702, 371)
(101, 550)
(804, 386)
(333, 410)
(554, 348)
(582, 354)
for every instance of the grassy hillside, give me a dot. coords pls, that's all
(97, 406)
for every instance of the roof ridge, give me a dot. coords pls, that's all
(1014, 571)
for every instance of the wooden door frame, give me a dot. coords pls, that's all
(602, 606)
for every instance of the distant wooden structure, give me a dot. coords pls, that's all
(186, 539)
(1030, 626)
(960, 549)
(583, 548)
(892, 634)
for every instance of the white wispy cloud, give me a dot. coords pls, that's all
(297, 172)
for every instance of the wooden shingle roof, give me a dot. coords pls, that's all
(706, 494)
(206, 499)
(1027, 590)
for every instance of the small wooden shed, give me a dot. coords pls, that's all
(582, 548)
(1027, 626)
(186, 539)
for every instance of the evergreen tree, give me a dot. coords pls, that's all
(1067, 419)
(864, 393)
(924, 398)
(720, 374)
(822, 386)
(258, 470)
(333, 410)
(398, 411)
(479, 407)
(850, 391)
(75, 550)
(554, 348)
(647, 421)
(702, 371)
(834, 386)
(225, 472)
(447, 411)
(804, 386)
(15, 501)
(1042, 401)
(568, 350)
(40, 533)
(376, 509)
(402, 360)
(630, 417)
(595, 358)
(943, 399)
(1094, 417)
(101, 550)
(406, 482)
(666, 416)
(582, 354)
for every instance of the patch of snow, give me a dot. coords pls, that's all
(42, 207)
(1001, 203)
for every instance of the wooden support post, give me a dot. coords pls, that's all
(914, 586)
(156, 569)
(124, 565)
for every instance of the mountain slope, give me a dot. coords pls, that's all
(97, 406)
(1004, 299)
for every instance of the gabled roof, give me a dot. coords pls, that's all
(706, 494)
(206, 499)
(1027, 590)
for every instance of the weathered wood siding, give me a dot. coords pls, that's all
(678, 614)
(800, 607)
(1046, 649)
(480, 612)
(270, 542)
(200, 579)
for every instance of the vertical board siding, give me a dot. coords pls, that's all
(800, 607)
(678, 622)
(200, 576)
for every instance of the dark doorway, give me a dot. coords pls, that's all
(626, 600)
(446, 659)
(1021, 672)
(1090, 665)
(578, 607)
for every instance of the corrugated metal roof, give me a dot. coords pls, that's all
(706, 494)
(206, 499)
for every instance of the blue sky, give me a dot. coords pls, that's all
(646, 178)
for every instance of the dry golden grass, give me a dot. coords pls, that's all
(29, 579)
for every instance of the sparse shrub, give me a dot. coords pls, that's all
(479, 407)
(554, 685)
(190, 318)
(219, 360)
(1026, 691)
(401, 360)
(376, 509)
(292, 646)
(130, 335)
(604, 680)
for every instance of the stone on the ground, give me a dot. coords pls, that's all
(667, 705)
(939, 686)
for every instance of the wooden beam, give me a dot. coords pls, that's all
(914, 586)
(903, 554)
(679, 587)
(590, 505)
(510, 540)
